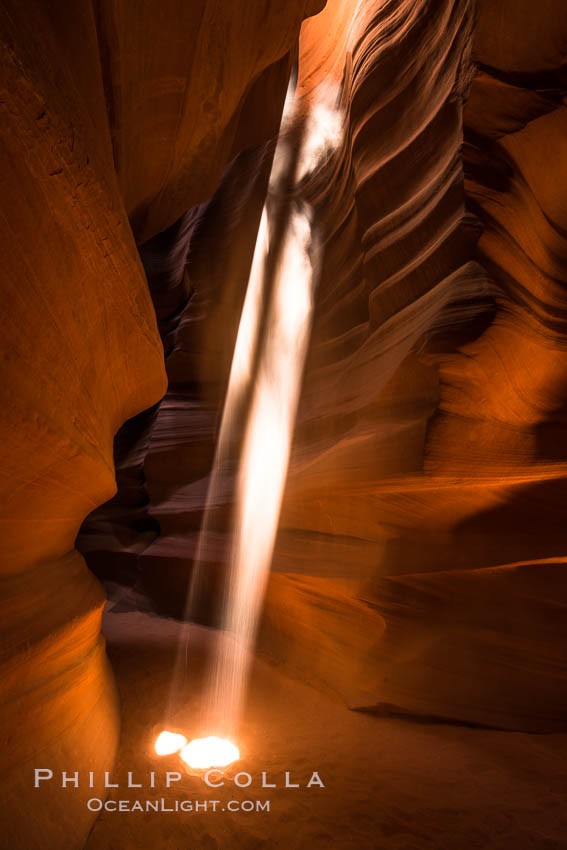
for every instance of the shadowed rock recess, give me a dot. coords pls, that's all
(420, 566)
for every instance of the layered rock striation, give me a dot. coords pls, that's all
(430, 444)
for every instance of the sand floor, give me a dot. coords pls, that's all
(389, 783)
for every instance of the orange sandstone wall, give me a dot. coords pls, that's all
(80, 353)
(187, 89)
(421, 562)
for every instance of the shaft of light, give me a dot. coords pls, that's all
(265, 374)
(239, 380)
(263, 468)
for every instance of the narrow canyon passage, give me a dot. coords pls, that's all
(407, 634)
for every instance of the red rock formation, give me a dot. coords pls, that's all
(75, 302)
(420, 562)
(430, 449)
(398, 279)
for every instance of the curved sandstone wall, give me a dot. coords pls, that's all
(422, 534)
(80, 354)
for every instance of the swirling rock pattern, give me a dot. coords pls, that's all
(430, 443)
